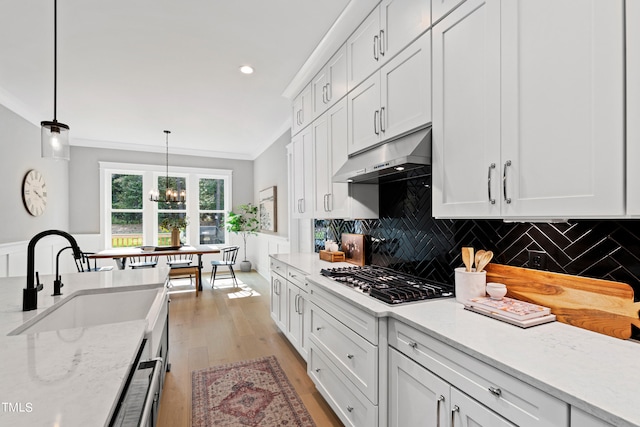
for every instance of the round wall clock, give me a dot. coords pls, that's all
(34, 192)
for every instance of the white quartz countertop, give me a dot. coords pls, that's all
(70, 377)
(594, 372)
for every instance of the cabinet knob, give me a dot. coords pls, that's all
(495, 391)
(413, 344)
(317, 369)
(350, 408)
(318, 328)
(350, 356)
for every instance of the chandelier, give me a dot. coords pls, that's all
(55, 135)
(170, 195)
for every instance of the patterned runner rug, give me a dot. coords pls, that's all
(249, 393)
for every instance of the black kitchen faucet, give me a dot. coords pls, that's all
(30, 293)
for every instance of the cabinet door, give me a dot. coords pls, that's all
(330, 152)
(277, 301)
(440, 8)
(563, 107)
(632, 13)
(337, 76)
(416, 396)
(405, 85)
(319, 92)
(293, 321)
(364, 115)
(302, 165)
(363, 50)
(466, 412)
(302, 110)
(580, 418)
(401, 22)
(466, 111)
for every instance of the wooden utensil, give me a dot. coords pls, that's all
(485, 258)
(478, 257)
(597, 305)
(467, 257)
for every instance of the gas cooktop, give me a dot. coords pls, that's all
(387, 285)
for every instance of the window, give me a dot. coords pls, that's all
(129, 218)
(211, 211)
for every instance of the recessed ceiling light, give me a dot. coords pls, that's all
(245, 69)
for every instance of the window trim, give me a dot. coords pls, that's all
(149, 179)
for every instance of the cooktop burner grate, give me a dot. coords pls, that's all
(387, 285)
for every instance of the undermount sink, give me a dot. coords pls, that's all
(98, 307)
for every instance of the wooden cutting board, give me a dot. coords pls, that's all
(597, 305)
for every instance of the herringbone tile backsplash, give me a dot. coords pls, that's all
(407, 238)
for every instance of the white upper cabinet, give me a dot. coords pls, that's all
(330, 84)
(633, 107)
(440, 8)
(332, 199)
(302, 170)
(529, 116)
(302, 110)
(383, 34)
(394, 100)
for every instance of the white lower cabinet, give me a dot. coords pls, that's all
(297, 315)
(278, 294)
(580, 418)
(344, 361)
(419, 398)
(479, 394)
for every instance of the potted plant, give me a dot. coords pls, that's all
(244, 223)
(174, 224)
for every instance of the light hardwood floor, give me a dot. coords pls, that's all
(226, 325)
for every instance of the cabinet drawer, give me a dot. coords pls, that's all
(278, 267)
(518, 402)
(348, 403)
(366, 325)
(352, 354)
(297, 277)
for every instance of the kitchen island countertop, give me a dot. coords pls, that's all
(593, 372)
(70, 377)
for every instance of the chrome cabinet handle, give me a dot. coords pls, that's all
(495, 391)
(455, 409)
(329, 94)
(350, 408)
(375, 47)
(491, 166)
(413, 344)
(438, 404)
(504, 181)
(382, 129)
(381, 40)
(301, 305)
(375, 122)
(295, 303)
(324, 200)
(350, 356)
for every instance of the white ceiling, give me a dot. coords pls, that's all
(128, 69)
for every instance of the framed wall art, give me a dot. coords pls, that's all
(268, 209)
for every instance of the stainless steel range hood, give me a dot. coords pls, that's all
(383, 162)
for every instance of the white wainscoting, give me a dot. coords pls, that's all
(13, 256)
(266, 245)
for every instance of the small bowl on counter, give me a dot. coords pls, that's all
(496, 290)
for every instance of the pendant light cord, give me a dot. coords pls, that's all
(55, 58)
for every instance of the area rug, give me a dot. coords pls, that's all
(249, 393)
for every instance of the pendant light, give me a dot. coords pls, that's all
(170, 195)
(55, 135)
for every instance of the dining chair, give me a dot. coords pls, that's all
(143, 261)
(180, 266)
(229, 255)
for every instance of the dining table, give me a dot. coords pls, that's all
(120, 255)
